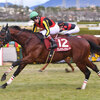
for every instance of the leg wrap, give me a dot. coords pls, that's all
(10, 80)
(9, 70)
(98, 73)
(84, 84)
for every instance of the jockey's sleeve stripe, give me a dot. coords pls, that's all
(46, 25)
(34, 28)
(69, 26)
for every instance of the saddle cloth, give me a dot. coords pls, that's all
(63, 44)
(78, 36)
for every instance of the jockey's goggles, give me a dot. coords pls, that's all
(34, 18)
(61, 24)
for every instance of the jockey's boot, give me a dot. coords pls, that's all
(53, 43)
(67, 35)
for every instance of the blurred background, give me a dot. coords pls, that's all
(66, 10)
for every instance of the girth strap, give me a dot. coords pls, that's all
(50, 56)
(48, 60)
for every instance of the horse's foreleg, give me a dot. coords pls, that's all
(26, 60)
(85, 70)
(9, 70)
(19, 69)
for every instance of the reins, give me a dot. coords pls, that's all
(28, 39)
(40, 37)
(8, 36)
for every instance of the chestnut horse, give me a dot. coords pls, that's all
(34, 50)
(93, 38)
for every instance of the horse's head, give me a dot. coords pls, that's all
(4, 36)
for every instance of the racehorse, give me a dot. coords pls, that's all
(93, 38)
(34, 50)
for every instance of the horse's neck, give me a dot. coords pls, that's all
(19, 37)
(22, 37)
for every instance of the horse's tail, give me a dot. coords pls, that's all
(94, 47)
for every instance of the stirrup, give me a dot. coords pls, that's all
(67, 34)
(53, 47)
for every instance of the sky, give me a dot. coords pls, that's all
(31, 3)
(25, 2)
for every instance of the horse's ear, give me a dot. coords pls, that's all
(6, 26)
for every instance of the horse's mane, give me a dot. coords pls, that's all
(30, 31)
(39, 35)
(18, 28)
(15, 27)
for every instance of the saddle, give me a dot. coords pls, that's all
(63, 44)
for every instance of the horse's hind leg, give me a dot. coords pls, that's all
(93, 67)
(68, 59)
(85, 70)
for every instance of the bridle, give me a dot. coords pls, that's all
(6, 37)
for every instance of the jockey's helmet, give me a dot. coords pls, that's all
(60, 23)
(33, 14)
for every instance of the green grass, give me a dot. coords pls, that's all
(88, 22)
(86, 31)
(52, 84)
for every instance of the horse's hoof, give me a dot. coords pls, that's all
(78, 88)
(3, 86)
(3, 77)
(66, 70)
(40, 71)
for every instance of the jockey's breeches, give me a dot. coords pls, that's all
(53, 30)
(75, 30)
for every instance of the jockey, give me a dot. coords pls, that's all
(67, 28)
(48, 26)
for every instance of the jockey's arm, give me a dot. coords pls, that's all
(34, 28)
(46, 25)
